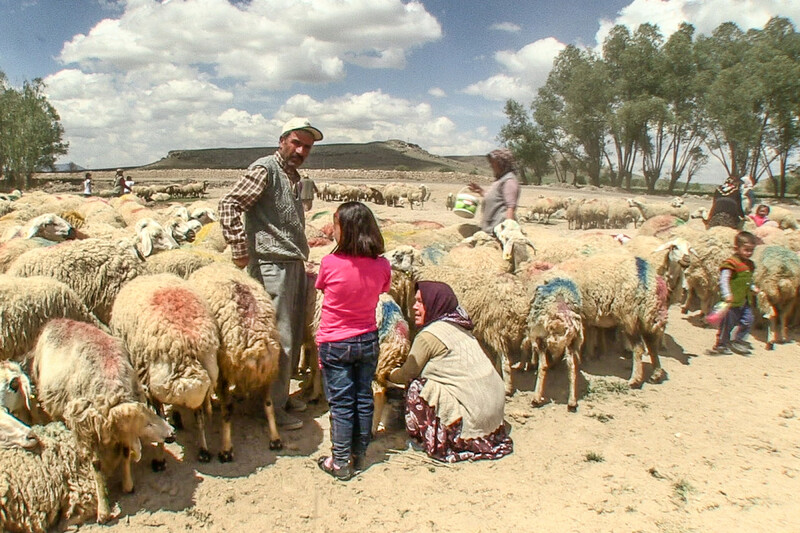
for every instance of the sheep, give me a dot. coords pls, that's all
(497, 303)
(14, 248)
(13, 434)
(94, 269)
(47, 226)
(172, 339)
(210, 237)
(487, 254)
(650, 210)
(777, 276)
(623, 291)
(543, 208)
(182, 261)
(620, 214)
(556, 332)
(394, 343)
(250, 347)
(84, 378)
(26, 304)
(450, 202)
(671, 260)
(15, 389)
(203, 214)
(515, 244)
(52, 485)
(785, 218)
(593, 213)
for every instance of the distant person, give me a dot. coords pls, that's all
(87, 184)
(264, 223)
(455, 399)
(748, 195)
(119, 183)
(351, 278)
(737, 290)
(501, 199)
(307, 190)
(761, 217)
(726, 207)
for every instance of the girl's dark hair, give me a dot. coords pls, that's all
(360, 234)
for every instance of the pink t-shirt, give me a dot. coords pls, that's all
(352, 286)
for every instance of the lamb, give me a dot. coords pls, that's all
(623, 291)
(515, 244)
(777, 276)
(84, 378)
(27, 304)
(556, 332)
(250, 347)
(50, 486)
(172, 339)
(15, 389)
(96, 270)
(450, 202)
(650, 210)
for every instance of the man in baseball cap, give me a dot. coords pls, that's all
(263, 221)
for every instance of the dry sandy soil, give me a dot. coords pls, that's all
(716, 447)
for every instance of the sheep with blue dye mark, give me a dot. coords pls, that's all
(47, 486)
(777, 276)
(556, 332)
(249, 348)
(626, 292)
(172, 338)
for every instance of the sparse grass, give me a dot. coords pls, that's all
(597, 388)
(682, 488)
(602, 417)
(593, 457)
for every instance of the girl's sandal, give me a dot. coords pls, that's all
(341, 473)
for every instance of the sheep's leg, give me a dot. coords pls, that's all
(159, 462)
(637, 370)
(203, 455)
(275, 442)
(380, 403)
(541, 376)
(786, 313)
(226, 408)
(653, 343)
(506, 367)
(572, 365)
(103, 505)
(127, 477)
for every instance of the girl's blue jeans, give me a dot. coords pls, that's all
(348, 367)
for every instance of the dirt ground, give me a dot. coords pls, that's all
(716, 447)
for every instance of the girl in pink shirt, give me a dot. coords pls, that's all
(351, 278)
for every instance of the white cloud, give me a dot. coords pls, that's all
(524, 71)
(510, 27)
(704, 15)
(437, 92)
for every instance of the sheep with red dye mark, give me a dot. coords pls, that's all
(27, 304)
(626, 292)
(172, 338)
(249, 349)
(48, 486)
(84, 378)
(556, 332)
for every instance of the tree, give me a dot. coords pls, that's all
(523, 138)
(30, 132)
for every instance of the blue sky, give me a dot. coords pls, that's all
(134, 79)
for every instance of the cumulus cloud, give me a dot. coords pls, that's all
(189, 74)
(524, 71)
(704, 15)
(510, 27)
(437, 92)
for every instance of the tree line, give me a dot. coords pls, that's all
(664, 107)
(31, 135)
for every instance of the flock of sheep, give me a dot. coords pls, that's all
(114, 313)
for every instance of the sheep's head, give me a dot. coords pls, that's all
(131, 423)
(679, 252)
(51, 227)
(404, 258)
(15, 388)
(15, 434)
(154, 238)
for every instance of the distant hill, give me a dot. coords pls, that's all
(379, 155)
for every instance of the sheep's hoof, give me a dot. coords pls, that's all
(509, 392)
(658, 376)
(129, 491)
(226, 456)
(684, 311)
(538, 402)
(158, 465)
(635, 384)
(102, 518)
(204, 456)
(770, 346)
(572, 408)
(177, 420)
(275, 444)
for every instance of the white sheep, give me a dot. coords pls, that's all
(84, 378)
(649, 210)
(172, 339)
(515, 244)
(182, 261)
(15, 389)
(27, 304)
(9, 251)
(47, 226)
(777, 276)
(249, 348)
(13, 434)
(671, 260)
(52, 485)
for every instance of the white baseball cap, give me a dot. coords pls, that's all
(299, 123)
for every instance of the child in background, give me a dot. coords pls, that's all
(87, 184)
(736, 287)
(351, 278)
(761, 217)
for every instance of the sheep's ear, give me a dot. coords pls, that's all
(22, 386)
(147, 244)
(32, 232)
